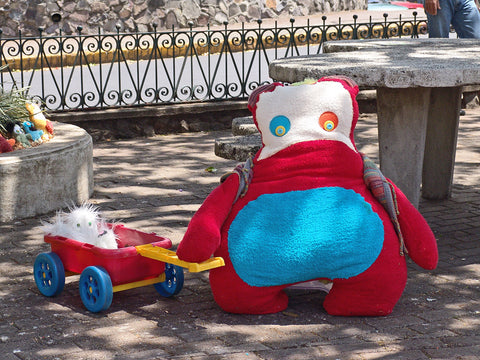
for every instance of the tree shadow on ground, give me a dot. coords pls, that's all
(437, 316)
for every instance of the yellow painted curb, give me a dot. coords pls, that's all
(165, 49)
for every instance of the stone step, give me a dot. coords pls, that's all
(244, 126)
(238, 147)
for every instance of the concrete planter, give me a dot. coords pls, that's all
(48, 177)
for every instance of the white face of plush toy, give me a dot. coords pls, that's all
(307, 112)
(83, 221)
(18, 130)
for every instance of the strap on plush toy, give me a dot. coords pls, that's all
(245, 174)
(384, 192)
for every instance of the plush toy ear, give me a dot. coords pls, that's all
(348, 83)
(253, 99)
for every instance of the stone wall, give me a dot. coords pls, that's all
(67, 15)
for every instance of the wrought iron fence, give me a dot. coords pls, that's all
(134, 69)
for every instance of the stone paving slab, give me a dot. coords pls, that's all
(244, 126)
(156, 184)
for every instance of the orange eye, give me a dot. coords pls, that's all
(328, 121)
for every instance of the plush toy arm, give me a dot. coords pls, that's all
(419, 239)
(203, 235)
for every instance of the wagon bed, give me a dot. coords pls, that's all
(141, 259)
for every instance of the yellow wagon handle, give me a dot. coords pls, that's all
(169, 256)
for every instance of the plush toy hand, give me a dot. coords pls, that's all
(204, 231)
(419, 238)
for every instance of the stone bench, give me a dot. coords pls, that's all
(244, 126)
(238, 147)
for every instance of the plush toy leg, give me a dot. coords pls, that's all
(372, 293)
(235, 296)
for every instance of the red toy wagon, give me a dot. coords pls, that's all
(141, 259)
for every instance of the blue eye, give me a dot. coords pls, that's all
(280, 125)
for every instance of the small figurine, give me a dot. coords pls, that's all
(19, 135)
(40, 121)
(29, 128)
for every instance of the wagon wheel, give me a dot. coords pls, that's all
(173, 281)
(96, 290)
(49, 274)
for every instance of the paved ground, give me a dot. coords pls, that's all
(156, 184)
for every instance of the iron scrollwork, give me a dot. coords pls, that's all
(133, 69)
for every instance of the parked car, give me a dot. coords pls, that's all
(384, 5)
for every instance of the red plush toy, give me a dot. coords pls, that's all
(6, 145)
(308, 207)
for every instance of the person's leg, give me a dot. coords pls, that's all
(439, 25)
(466, 20)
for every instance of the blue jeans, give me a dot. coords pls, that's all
(462, 14)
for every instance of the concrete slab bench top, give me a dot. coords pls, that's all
(393, 63)
(419, 86)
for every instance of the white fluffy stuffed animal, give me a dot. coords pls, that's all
(83, 224)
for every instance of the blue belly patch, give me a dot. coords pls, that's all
(297, 236)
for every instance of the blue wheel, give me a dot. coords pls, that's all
(96, 290)
(173, 282)
(49, 274)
